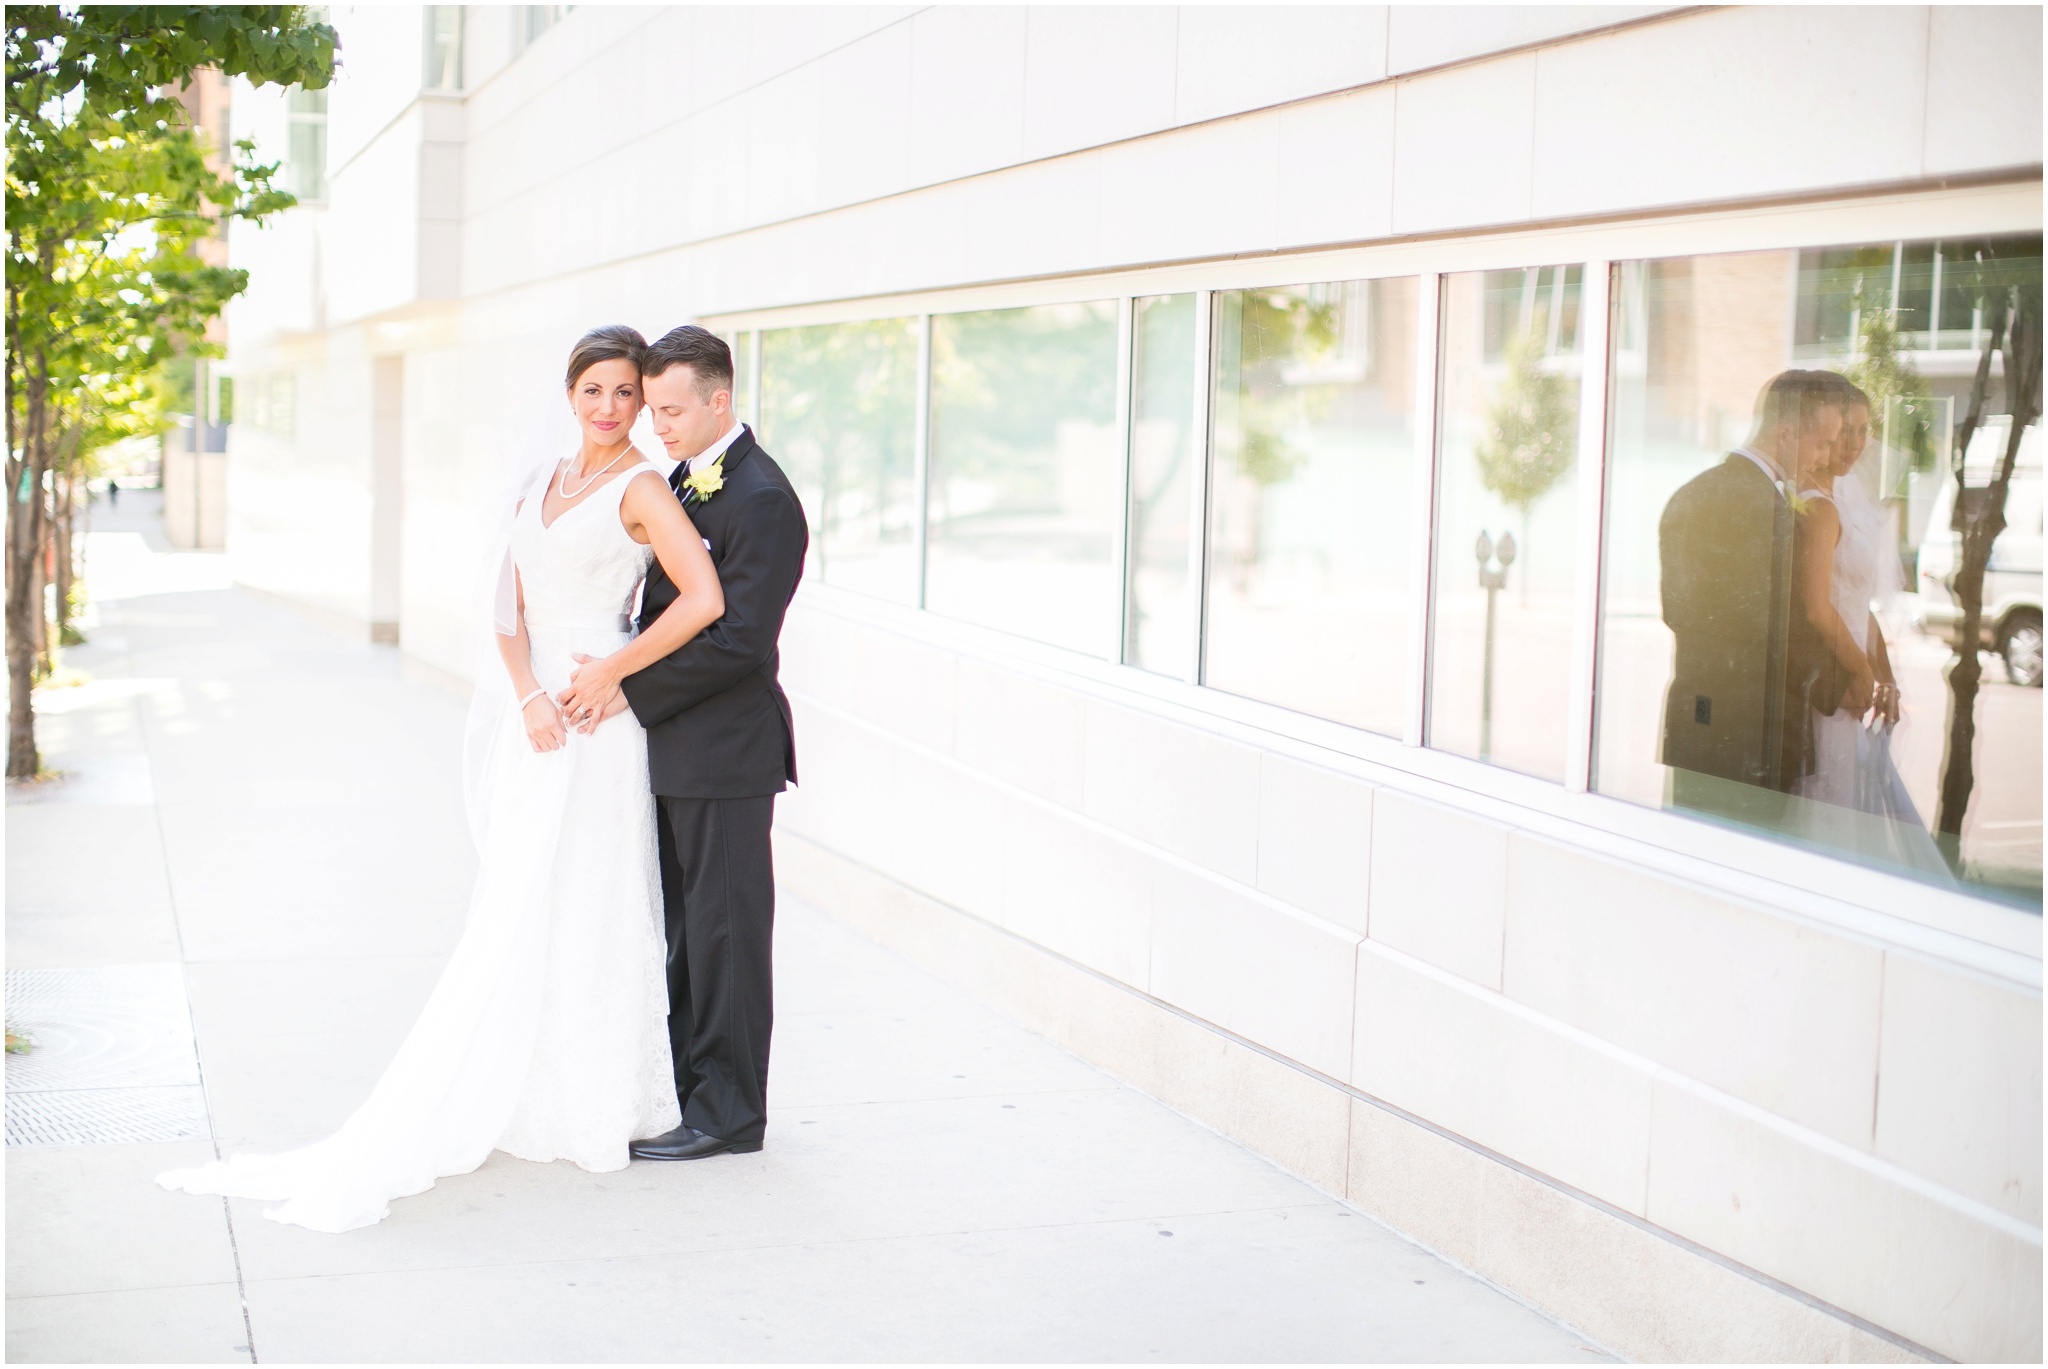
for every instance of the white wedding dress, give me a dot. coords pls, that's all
(1858, 801)
(547, 1034)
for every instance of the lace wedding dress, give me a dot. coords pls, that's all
(1860, 802)
(547, 1034)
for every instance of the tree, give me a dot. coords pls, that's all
(1261, 334)
(1276, 328)
(2003, 279)
(839, 401)
(1896, 398)
(109, 197)
(1531, 435)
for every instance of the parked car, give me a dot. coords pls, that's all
(2012, 580)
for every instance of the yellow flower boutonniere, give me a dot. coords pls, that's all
(1799, 504)
(706, 481)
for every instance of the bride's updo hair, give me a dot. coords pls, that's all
(613, 342)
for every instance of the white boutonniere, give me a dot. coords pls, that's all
(706, 481)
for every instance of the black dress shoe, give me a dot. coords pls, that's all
(688, 1143)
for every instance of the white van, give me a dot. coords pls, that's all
(2012, 581)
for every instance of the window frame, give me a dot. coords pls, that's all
(1823, 889)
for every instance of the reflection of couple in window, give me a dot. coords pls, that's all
(1782, 698)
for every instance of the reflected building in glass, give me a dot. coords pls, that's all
(1759, 563)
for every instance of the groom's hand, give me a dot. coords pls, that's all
(591, 696)
(612, 710)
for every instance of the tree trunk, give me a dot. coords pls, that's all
(2016, 332)
(24, 548)
(64, 527)
(60, 530)
(45, 666)
(1522, 553)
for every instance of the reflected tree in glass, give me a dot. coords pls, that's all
(1026, 473)
(1500, 662)
(1532, 431)
(2002, 279)
(839, 410)
(1311, 466)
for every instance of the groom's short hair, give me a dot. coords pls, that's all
(1797, 397)
(703, 351)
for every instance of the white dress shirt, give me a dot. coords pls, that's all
(1763, 463)
(715, 450)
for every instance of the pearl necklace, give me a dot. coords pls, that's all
(563, 485)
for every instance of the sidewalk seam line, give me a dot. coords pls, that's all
(241, 1287)
(163, 848)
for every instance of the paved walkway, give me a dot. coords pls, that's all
(263, 822)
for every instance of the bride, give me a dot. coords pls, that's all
(547, 1034)
(1846, 562)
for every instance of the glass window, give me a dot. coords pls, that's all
(1846, 292)
(1837, 287)
(268, 401)
(1915, 320)
(444, 47)
(1744, 632)
(1310, 510)
(531, 21)
(1026, 473)
(839, 410)
(306, 144)
(1506, 528)
(1159, 613)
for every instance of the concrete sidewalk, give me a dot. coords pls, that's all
(259, 851)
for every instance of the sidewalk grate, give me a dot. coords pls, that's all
(112, 1058)
(96, 1117)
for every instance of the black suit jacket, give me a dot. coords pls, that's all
(1744, 666)
(718, 725)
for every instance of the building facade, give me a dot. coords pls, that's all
(193, 453)
(1269, 617)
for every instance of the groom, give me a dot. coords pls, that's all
(1747, 664)
(720, 747)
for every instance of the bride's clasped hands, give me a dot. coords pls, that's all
(592, 699)
(594, 694)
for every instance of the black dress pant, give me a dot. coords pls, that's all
(718, 892)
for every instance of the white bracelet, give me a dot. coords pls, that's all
(537, 694)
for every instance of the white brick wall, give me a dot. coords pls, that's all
(1861, 1123)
